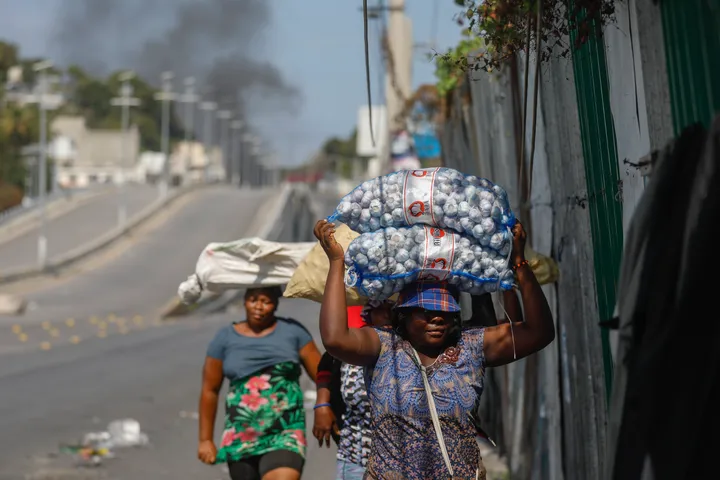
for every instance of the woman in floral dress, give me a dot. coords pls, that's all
(264, 435)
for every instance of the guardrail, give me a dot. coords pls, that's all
(21, 210)
(99, 243)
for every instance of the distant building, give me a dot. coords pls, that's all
(86, 156)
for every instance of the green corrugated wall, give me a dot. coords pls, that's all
(691, 29)
(604, 200)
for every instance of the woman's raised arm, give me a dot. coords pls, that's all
(356, 346)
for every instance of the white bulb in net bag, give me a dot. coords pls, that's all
(440, 197)
(383, 262)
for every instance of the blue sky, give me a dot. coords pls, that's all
(317, 45)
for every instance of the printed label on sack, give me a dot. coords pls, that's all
(351, 277)
(438, 255)
(417, 196)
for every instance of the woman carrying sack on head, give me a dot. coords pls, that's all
(426, 375)
(342, 411)
(264, 435)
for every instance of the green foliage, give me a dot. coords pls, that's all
(503, 26)
(341, 153)
(19, 127)
(451, 66)
(343, 147)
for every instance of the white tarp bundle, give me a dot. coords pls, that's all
(245, 263)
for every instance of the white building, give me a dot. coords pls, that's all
(87, 156)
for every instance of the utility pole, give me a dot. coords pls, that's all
(189, 98)
(256, 151)
(224, 116)
(209, 109)
(165, 96)
(41, 68)
(125, 101)
(236, 152)
(398, 77)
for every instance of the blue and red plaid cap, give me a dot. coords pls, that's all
(430, 296)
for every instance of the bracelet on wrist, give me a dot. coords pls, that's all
(520, 265)
(321, 405)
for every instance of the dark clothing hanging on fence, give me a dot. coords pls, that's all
(667, 379)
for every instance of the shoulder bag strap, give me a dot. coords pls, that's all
(434, 414)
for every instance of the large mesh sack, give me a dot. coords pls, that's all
(380, 264)
(440, 197)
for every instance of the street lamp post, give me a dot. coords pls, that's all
(236, 157)
(189, 98)
(247, 163)
(125, 101)
(224, 116)
(256, 151)
(165, 96)
(209, 109)
(41, 68)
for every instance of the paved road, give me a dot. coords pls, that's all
(106, 356)
(151, 375)
(76, 227)
(132, 288)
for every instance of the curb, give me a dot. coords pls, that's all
(99, 243)
(213, 303)
(22, 224)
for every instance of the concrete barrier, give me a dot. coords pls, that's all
(22, 223)
(99, 243)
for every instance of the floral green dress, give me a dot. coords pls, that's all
(264, 413)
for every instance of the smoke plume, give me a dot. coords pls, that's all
(219, 42)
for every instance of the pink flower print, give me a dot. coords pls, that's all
(258, 384)
(253, 401)
(248, 435)
(299, 435)
(227, 438)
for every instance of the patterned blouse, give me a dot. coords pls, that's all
(404, 444)
(354, 446)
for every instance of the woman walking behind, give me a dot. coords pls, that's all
(343, 411)
(264, 435)
(425, 376)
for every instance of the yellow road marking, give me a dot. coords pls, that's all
(46, 345)
(17, 329)
(23, 337)
(70, 322)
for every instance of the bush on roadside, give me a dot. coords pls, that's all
(10, 196)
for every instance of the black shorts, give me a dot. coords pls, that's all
(254, 468)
